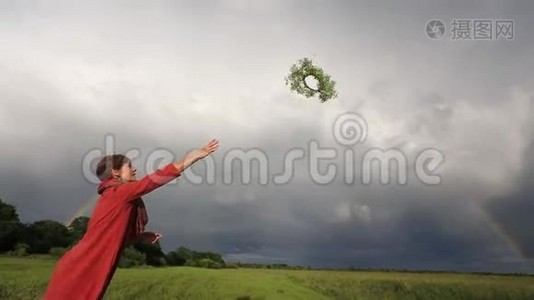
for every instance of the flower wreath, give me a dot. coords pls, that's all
(302, 70)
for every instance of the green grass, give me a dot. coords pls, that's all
(25, 278)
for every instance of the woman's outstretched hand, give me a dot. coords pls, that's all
(197, 154)
(148, 237)
(205, 150)
(209, 148)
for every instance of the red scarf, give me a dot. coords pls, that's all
(141, 216)
(137, 226)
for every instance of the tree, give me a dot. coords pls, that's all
(20, 250)
(180, 256)
(58, 251)
(9, 221)
(46, 234)
(77, 228)
(186, 257)
(185, 253)
(23, 234)
(216, 257)
(153, 254)
(131, 257)
(175, 259)
(206, 263)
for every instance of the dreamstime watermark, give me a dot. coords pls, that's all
(471, 29)
(349, 130)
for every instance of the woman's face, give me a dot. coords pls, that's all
(126, 173)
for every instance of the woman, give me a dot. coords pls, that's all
(118, 219)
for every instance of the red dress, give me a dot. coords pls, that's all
(86, 270)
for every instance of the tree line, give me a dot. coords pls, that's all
(54, 238)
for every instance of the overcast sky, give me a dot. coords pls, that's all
(171, 75)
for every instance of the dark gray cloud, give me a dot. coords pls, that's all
(513, 211)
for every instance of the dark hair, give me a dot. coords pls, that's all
(108, 162)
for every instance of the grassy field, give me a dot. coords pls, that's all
(24, 278)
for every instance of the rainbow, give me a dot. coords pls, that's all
(503, 233)
(84, 210)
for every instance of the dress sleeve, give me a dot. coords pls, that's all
(162, 176)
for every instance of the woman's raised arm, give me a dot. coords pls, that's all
(162, 176)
